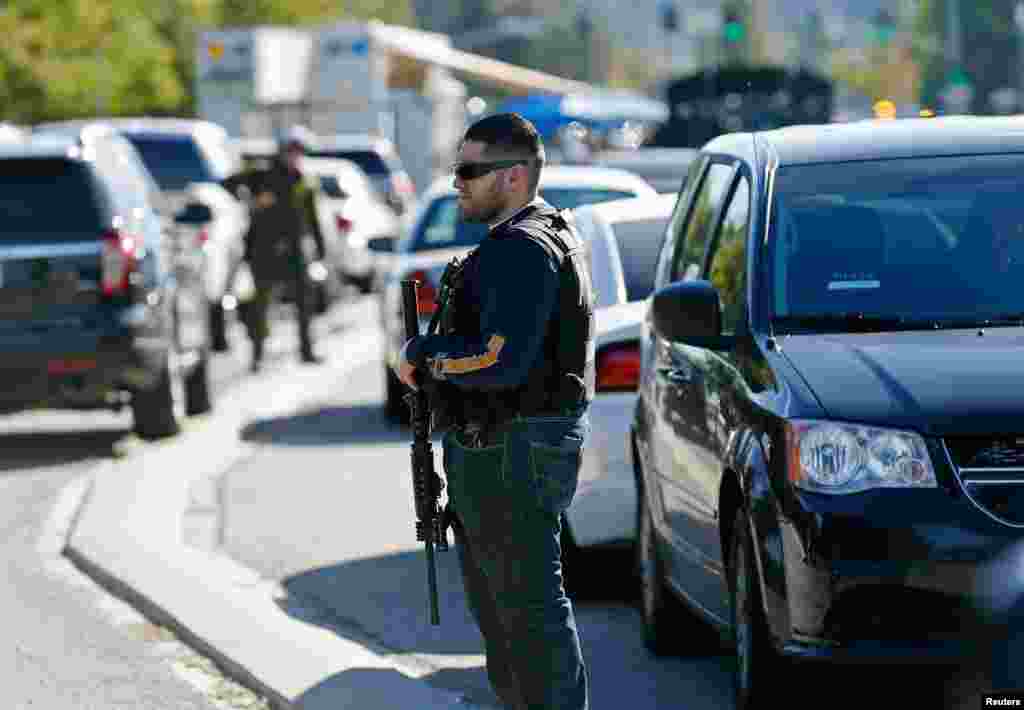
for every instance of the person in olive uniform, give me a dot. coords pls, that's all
(283, 220)
(517, 362)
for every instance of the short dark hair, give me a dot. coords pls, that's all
(509, 135)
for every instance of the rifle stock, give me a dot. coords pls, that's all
(426, 484)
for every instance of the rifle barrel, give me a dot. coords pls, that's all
(422, 455)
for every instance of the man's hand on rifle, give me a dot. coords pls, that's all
(406, 371)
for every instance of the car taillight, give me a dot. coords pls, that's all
(426, 294)
(203, 236)
(618, 368)
(344, 224)
(117, 262)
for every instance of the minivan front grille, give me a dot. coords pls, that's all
(991, 473)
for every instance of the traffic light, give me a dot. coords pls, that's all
(668, 16)
(733, 28)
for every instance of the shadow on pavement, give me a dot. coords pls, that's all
(392, 592)
(362, 423)
(54, 448)
(386, 689)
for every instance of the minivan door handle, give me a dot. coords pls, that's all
(676, 375)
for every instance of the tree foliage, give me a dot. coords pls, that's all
(78, 58)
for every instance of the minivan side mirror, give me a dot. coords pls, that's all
(689, 312)
(194, 213)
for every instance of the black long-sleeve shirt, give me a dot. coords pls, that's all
(513, 287)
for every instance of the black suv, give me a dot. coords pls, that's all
(99, 305)
(829, 436)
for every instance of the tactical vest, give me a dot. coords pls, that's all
(561, 380)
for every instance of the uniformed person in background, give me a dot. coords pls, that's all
(516, 360)
(283, 231)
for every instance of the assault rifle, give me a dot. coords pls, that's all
(426, 484)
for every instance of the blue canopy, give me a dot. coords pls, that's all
(600, 110)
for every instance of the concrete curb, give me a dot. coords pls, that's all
(127, 536)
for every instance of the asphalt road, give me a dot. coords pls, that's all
(324, 508)
(68, 644)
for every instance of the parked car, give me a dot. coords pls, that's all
(438, 234)
(378, 158)
(350, 213)
(100, 306)
(223, 250)
(623, 239)
(664, 168)
(180, 153)
(829, 435)
(12, 132)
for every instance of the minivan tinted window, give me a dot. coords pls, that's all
(49, 199)
(639, 243)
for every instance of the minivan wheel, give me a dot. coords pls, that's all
(197, 388)
(757, 663)
(155, 410)
(658, 608)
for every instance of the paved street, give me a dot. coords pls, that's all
(272, 544)
(324, 506)
(68, 643)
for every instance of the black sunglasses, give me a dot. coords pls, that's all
(471, 171)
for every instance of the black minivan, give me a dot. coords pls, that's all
(829, 436)
(100, 305)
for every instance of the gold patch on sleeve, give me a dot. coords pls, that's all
(473, 363)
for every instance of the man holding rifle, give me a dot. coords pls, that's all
(513, 369)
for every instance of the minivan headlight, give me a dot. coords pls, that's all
(828, 457)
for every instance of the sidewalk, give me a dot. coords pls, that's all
(128, 536)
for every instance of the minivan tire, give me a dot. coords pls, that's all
(659, 609)
(758, 665)
(153, 412)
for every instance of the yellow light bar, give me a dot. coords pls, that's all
(885, 109)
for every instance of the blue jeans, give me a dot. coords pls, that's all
(508, 498)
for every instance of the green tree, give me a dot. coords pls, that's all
(78, 58)
(989, 48)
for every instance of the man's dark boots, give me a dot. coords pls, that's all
(311, 358)
(257, 356)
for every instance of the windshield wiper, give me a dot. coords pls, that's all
(998, 320)
(853, 321)
(860, 322)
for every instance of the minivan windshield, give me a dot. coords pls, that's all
(897, 244)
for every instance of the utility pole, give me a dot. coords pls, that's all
(585, 26)
(1018, 21)
(758, 51)
(954, 46)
